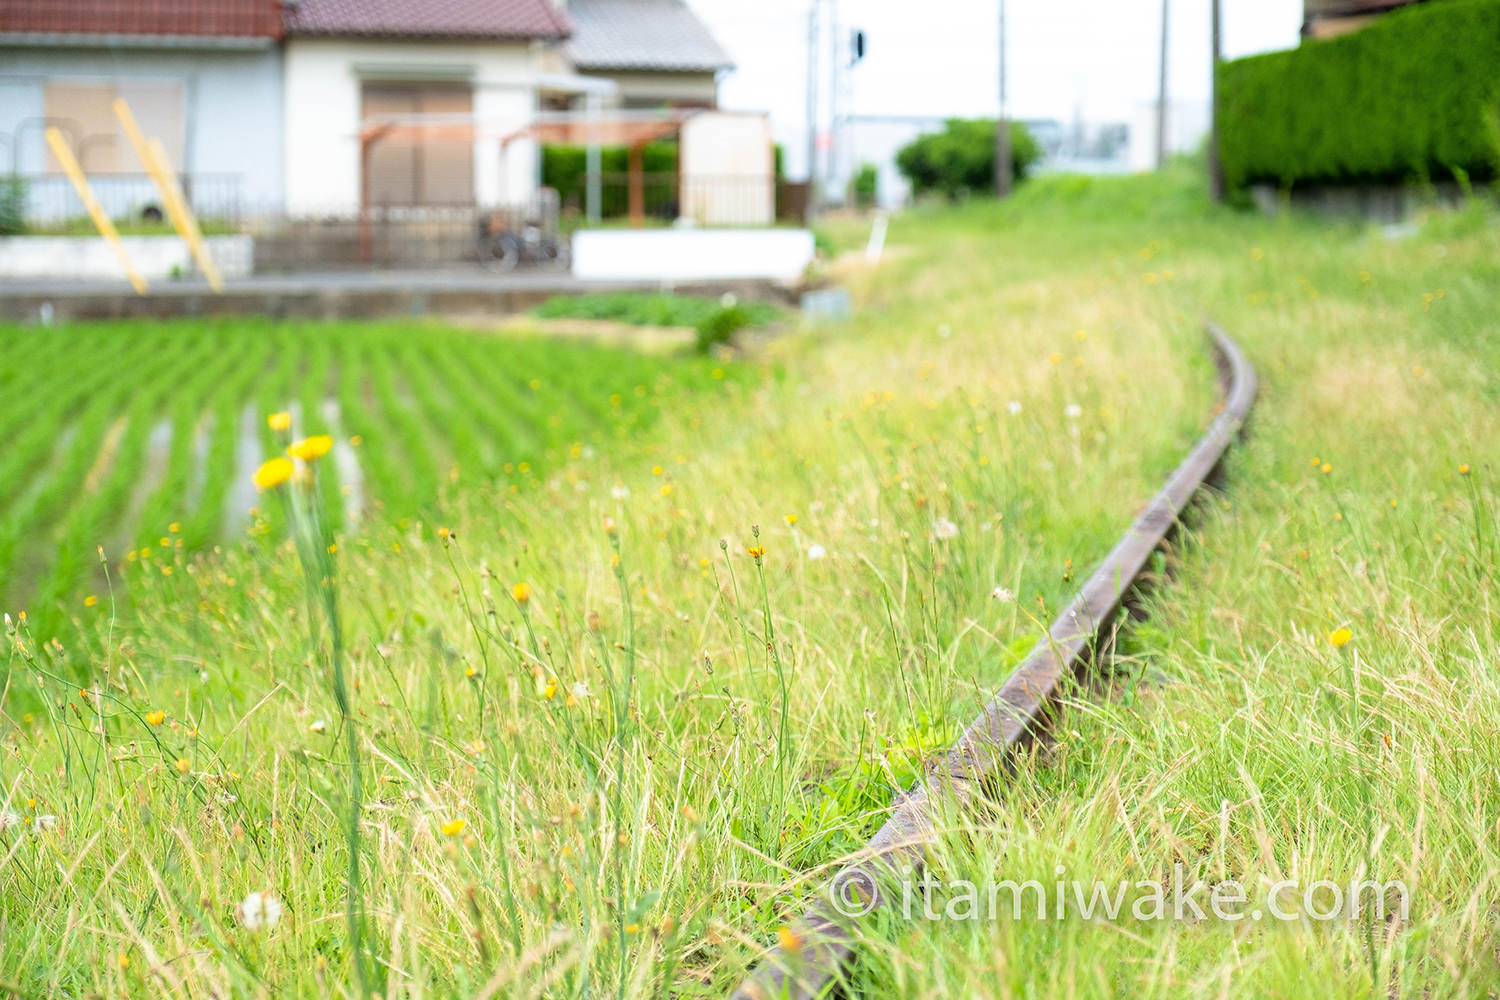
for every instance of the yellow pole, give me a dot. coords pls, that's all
(154, 158)
(96, 211)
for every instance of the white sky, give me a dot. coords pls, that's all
(1092, 58)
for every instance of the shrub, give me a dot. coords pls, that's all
(1414, 95)
(961, 158)
(716, 329)
(12, 205)
(865, 187)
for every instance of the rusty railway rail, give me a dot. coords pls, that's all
(824, 938)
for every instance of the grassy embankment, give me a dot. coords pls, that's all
(616, 776)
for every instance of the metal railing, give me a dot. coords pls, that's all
(707, 200)
(49, 203)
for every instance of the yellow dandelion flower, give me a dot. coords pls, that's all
(454, 827)
(273, 473)
(789, 940)
(356, 440)
(550, 691)
(310, 449)
(1463, 470)
(157, 717)
(521, 592)
(756, 552)
(280, 422)
(1325, 468)
(791, 519)
(174, 527)
(1340, 637)
(184, 765)
(90, 601)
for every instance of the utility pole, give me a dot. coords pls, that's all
(835, 57)
(1161, 99)
(1215, 165)
(812, 104)
(1002, 125)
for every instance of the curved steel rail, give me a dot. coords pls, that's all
(824, 939)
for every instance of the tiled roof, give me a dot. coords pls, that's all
(199, 18)
(641, 35)
(447, 19)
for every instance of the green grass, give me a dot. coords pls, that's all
(661, 743)
(646, 309)
(139, 437)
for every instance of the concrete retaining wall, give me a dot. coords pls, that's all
(691, 254)
(156, 257)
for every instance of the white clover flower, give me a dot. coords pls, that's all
(816, 552)
(620, 492)
(1003, 595)
(944, 529)
(1014, 406)
(1073, 411)
(259, 910)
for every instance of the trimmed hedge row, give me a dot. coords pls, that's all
(1416, 95)
(565, 167)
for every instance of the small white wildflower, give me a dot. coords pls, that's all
(1014, 406)
(258, 910)
(44, 823)
(620, 492)
(1003, 595)
(318, 726)
(728, 300)
(944, 529)
(1073, 411)
(8, 819)
(816, 552)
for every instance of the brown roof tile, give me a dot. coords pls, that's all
(222, 18)
(447, 19)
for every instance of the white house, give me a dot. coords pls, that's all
(203, 77)
(290, 106)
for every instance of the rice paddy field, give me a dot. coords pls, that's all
(412, 720)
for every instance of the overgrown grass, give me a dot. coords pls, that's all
(646, 309)
(614, 721)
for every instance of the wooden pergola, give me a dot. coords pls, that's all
(592, 128)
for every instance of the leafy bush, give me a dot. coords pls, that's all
(715, 329)
(1414, 95)
(566, 168)
(865, 186)
(961, 158)
(12, 205)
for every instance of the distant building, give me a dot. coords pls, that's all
(1327, 18)
(278, 102)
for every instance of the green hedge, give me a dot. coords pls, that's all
(565, 167)
(961, 158)
(1416, 95)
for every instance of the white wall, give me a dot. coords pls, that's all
(691, 254)
(728, 166)
(323, 79)
(155, 257)
(231, 115)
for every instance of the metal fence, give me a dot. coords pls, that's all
(394, 236)
(708, 200)
(48, 201)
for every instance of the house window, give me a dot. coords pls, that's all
(420, 170)
(83, 111)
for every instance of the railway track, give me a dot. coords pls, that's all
(821, 941)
